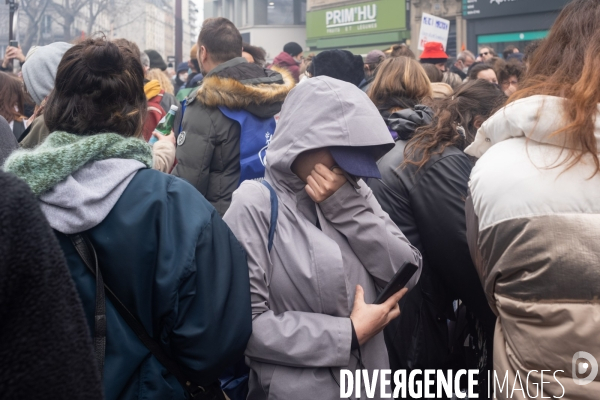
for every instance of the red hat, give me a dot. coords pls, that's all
(433, 53)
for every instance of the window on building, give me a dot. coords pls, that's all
(280, 12)
(286, 12)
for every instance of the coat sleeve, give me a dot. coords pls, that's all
(290, 338)
(213, 319)
(438, 203)
(164, 156)
(375, 239)
(45, 343)
(195, 152)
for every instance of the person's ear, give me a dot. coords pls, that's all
(202, 54)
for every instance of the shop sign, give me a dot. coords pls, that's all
(369, 17)
(496, 8)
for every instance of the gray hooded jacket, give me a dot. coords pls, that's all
(303, 290)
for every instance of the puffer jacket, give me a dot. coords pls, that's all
(534, 232)
(303, 290)
(208, 147)
(428, 204)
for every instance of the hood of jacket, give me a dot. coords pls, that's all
(85, 198)
(535, 117)
(306, 282)
(405, 122)
(285, 60)
(343, 116)
(237, 84)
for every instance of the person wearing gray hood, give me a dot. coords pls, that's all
(332, 250)
(39, 73)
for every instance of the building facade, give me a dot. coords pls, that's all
(451, 10)
(148, 23)
(358, 26)
(499, 23)
(269, 24)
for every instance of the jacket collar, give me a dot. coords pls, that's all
(227, 64)
(261, 96)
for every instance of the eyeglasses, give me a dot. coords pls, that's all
(484, 54)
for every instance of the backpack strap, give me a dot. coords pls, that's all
(274, 212)
(88, 255)
(86, 250)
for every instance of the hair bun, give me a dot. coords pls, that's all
(104, 58)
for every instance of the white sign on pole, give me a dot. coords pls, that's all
(433, 29)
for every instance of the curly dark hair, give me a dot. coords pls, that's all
(511, 68)
(99, 88)
(258, 53)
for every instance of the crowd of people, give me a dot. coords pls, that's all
(241, 253)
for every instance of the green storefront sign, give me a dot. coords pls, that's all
(374, 16)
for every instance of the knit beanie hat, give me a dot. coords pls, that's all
(156, 60)
(293, 49)
(39, 69)
(338, 64)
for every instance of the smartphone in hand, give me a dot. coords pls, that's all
(399, 281)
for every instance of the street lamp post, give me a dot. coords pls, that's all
(14, 6)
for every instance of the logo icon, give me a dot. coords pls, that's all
(582, 367)
(262, 154)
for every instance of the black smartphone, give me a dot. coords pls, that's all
(400, 279)
(13, 43)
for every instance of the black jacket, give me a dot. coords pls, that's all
(208, 151)
(428, 206)
(45, 345)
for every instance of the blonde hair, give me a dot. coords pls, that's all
(163, 80)
(400, 82)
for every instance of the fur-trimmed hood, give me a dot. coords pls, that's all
(238, 84)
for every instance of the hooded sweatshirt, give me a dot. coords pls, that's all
(302, 291)
(39, 70)
(533, 227)
(284, 60)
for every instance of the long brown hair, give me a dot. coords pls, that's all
(567, 65)
(99, 88)
(453, 124)
(400, 82)
(11, 95)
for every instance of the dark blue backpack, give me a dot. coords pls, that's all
(234, 381)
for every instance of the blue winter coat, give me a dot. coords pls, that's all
(166, 253)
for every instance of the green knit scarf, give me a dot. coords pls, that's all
(63, 153)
